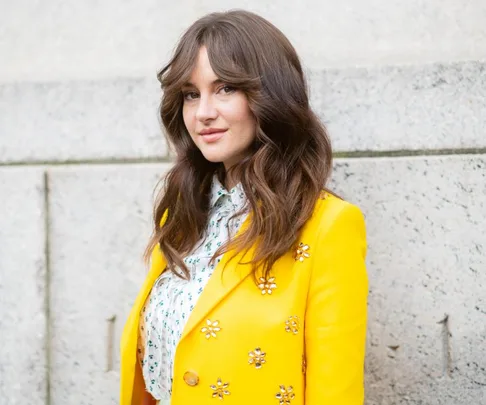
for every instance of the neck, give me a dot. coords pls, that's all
(231, 178)
(230, 183)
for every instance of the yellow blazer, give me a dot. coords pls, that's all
(296, 338)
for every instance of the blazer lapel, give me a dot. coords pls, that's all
(221, 283)
(218, 287)
(157, 267)
(128, 344)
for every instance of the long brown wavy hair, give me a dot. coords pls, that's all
(287, 165)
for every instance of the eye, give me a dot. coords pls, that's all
(227, 89)
(189, 95)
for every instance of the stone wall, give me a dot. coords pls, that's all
(402, 89)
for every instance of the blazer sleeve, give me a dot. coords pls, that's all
(335, 323)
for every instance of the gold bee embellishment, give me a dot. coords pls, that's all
(211, 328)
(285, 395)
(220, 389)
(323, 194)
(292, 324)
(302, 252)
(267, 285)
(257, 358)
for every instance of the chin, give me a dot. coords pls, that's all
(213, 158)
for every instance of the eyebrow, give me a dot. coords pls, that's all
(190, 84)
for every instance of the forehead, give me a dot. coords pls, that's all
(202, 73)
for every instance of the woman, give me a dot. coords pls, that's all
(257, 272)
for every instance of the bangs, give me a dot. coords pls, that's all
(227, 57)
(178, 71)
(230, 61)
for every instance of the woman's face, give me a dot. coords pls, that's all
(217, 116)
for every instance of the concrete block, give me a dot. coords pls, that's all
(23, 365)
(56, 40)
(426, 261)
(438, 106)
(100, 225)
(353, 32)
(80, 121)
(391, 108)
(89, 40)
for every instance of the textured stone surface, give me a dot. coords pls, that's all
(80, 120)
(100, 224)
(350, 32)
(22, 287)
(58, 40)
(440, 106)
(409, 107)
(426, 235)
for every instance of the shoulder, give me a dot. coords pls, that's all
(337, 232)
(333, 214)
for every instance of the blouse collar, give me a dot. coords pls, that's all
(236, 194)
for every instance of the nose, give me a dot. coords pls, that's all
(206, 110)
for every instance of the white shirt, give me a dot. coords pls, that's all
(172, 299)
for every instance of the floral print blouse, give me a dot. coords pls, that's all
(172, 299)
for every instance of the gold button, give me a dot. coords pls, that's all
(191, 378)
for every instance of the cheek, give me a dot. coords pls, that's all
(240, 114)
(249, 123)
(187, 118)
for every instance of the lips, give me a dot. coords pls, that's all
(210, 131)
(213, 136)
